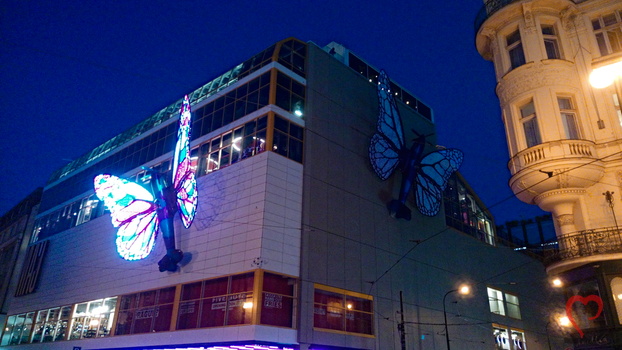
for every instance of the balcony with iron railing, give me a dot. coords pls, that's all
(492, 6)
(586, 246)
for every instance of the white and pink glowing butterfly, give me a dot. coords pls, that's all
(139, 212)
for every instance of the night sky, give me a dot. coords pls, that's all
(74, 74)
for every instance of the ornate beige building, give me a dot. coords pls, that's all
(565, 139)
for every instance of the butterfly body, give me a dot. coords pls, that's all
(425, 174)
(140, 213)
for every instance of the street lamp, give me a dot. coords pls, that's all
(464, 290)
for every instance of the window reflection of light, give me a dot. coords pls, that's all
(235, 145)
(94, 323)
(99, 310)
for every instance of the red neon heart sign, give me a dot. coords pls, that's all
(584, 301)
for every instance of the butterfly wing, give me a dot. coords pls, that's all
(136, 237)
(435, 169)
(383, 155)
(184, 180)
(133, 211)
(386, 144)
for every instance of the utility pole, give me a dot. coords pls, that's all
(400, 326)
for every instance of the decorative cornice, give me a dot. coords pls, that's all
(534, 75)
(575, 191)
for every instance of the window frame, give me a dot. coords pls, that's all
(515, 47)
(509, 335)
(529, 121)
(504, 307)
(568, 116)
(343, 309)
(603, 33)
(552, 39)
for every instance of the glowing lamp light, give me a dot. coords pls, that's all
(247, 305)
(464, 290)
(619, 296)
(94, 323)
(604, 76)
(557, 282)
(564, 321)
(349, 306)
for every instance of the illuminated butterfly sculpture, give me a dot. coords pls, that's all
(426, 174)
(140, 212)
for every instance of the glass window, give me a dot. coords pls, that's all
(463, 212)
(518, 340)
(8, 336)
(146, 312)
(288, 139)
(232, 146)
(616, 292)
(508, 339)
(93, 319)
(495, 300)
(217, 302)
(290, 95)
(18, 329)
(551, 45)
(569, 118)
(515, 49)
(530, 124)
(512, 305)
(608, 32)
(51, 324)
(277, 304)
(618, 106)
(502, 340)
(342, 311)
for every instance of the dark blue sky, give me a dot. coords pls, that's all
(73, 74)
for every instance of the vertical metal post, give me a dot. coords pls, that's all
(400, 326)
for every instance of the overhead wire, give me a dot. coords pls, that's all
(407, 252)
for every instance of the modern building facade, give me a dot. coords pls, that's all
(16, 226)
(564, 131)
(292, 246)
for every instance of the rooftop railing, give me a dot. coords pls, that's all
(489, 8)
